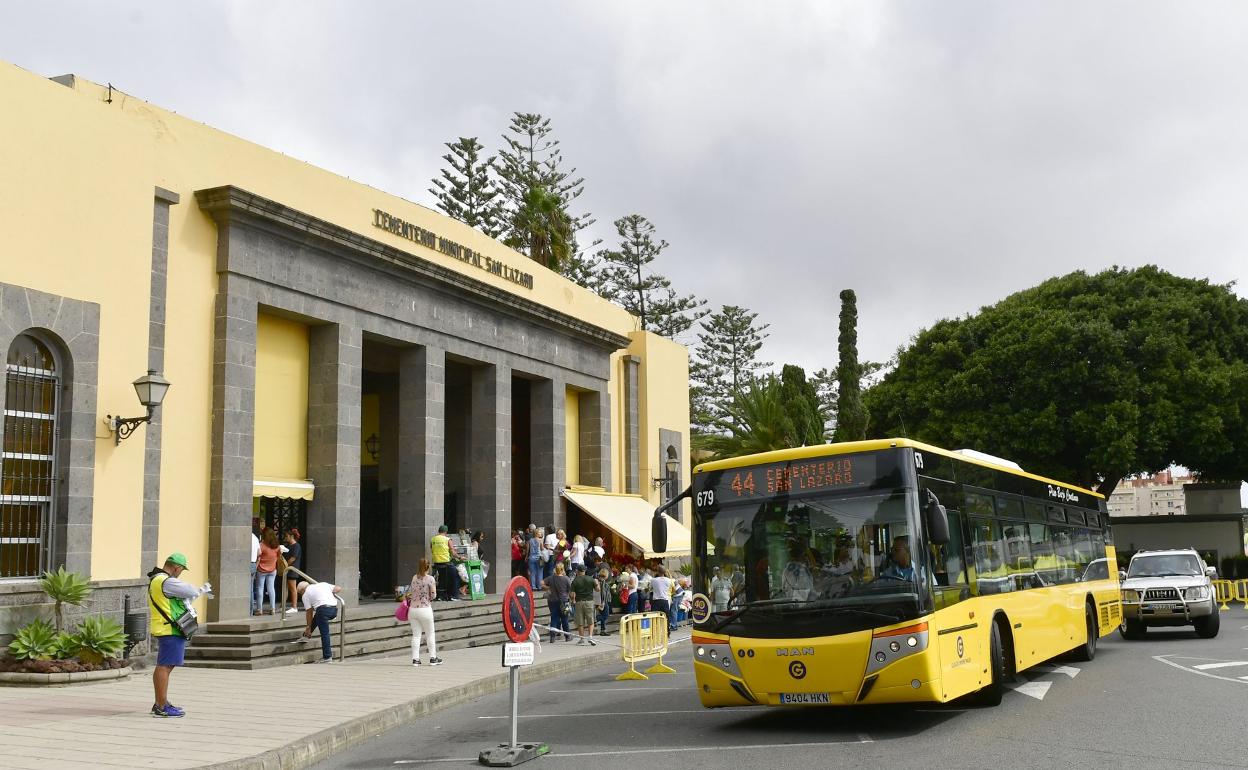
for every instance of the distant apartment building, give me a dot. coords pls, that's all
(1157, 495)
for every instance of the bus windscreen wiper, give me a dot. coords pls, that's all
(739, 611)
(891, 618)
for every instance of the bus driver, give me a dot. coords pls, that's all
(900, 565)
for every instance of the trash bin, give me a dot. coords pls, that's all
(476, 579)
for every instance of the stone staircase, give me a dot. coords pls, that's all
(371, 630)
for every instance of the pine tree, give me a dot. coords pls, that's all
(532, 158)
(627, 281)
(851, 416)
(466, 190)
(724, 363)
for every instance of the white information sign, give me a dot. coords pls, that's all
(517, 654)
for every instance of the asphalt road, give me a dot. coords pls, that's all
(1170, 701)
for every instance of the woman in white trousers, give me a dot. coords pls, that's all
(420, 597)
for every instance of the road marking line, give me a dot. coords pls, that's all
(1036, 690)
(622, 713)
(862, 738)
(1162, 658)
(1069, 671)
(1224, 664)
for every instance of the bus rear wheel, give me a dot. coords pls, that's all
(1087, 650)
(992, 693)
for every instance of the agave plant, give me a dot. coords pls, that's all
(34, 641)
(65, 646)
(99, 637)
(65, 588)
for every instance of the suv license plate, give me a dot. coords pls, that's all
(804, 697)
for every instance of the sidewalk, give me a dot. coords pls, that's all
(272, 718)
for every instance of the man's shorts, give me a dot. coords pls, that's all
(170, 650)
(585, 613)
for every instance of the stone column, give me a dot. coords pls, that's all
(156, 361)
(233, 426)
(595, 414)
(333, 540)
(549, 456)
(489, 504)
(632, 425)
(421, 454)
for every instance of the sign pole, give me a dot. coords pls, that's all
(518, 623)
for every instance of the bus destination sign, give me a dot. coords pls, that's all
(797, 477)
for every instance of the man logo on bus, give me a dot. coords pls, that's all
(797, 669)
(961, 649)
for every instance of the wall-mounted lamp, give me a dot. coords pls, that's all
(151, 389)
(373, 445)
(668, 480)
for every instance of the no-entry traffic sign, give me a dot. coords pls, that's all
(518, 610)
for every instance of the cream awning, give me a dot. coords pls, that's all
(293, 489)
(629, 516)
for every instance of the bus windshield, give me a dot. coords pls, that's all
(822, 564)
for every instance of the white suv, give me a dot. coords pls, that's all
(1168, 588)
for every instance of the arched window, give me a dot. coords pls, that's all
(28, 460)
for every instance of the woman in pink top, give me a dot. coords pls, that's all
(266, 571)
(420, 596)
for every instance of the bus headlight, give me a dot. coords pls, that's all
(701, 652)
(1197, 592)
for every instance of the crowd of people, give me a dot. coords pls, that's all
(582, 583)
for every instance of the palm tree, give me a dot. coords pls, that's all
(542, 228)
(755, 422)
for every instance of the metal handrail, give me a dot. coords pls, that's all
(342, 609)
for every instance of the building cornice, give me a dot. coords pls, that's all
(228, 203)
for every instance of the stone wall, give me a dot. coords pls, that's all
(22, 602)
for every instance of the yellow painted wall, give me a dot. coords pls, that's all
(663, 403)
(370, 424)
(572, 438)
(281, 443)
(76, 218)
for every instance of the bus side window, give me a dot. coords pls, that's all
(1064, 550)
(992, 574)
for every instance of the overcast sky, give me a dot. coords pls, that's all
(933, 156)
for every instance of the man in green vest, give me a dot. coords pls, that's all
(168, 599)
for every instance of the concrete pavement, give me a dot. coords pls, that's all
(274, 718)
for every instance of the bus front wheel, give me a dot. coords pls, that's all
(991, 694)
(1087, 650)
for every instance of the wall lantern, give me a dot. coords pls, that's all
(671, 470)
(373, 445)
(151, 389)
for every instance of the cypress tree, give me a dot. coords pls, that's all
(851, 417)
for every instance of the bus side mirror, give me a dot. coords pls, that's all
(937, 521)
(658, 534)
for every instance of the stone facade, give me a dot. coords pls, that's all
(346, 287)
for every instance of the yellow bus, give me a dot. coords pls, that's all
(889, 571)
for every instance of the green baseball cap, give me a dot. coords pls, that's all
(178, 559)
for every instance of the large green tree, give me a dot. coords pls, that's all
(1085, 378)
(826, 385)
(801, 404)
(724, 361)
(627, 279)
(541, 229)
(466, 190)
(851, 415)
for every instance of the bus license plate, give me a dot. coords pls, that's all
(804, 697)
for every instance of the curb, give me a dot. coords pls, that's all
(26, 679)
(322, 745)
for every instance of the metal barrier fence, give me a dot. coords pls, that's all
(643, 636)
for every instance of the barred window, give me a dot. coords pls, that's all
(28, 459)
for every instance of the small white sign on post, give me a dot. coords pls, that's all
(518, 654)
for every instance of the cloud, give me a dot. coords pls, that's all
(934, 157)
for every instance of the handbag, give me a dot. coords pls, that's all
(567, 610)
(401, 612)
(187, 624)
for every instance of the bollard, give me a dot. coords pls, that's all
(643, 635)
